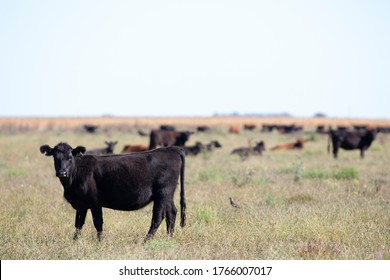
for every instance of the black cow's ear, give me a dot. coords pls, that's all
(45, 149)
(78, 151)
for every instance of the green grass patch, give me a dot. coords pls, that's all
(15, 172)
(205, 214)
(346, 173)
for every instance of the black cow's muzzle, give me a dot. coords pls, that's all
(62, 174)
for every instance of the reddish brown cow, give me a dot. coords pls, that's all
(249, 126)
(134, 148)
(290, 146)
(234, 129)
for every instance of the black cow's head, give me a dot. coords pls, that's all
(216, 144)
(260, 147)
(110, 146)
(63, 155)
(182, 137)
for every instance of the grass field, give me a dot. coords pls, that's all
(293, 204)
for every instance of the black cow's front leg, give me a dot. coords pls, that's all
(97, 215)
(79, 222)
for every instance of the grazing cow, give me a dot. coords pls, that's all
(203, 128)
(104, 151)
(167, 127)
(235, 129)
(290, 146)
(249, 126)
(212, 145)
(321, 129)
(121, 182)
(286, 129)
(244, 152)
(193, 150)
(268, 127)
(90, 128)
(351, 140)
(134, 148)
(166, 138)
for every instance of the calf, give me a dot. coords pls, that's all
(351, 140)
(104, 151)
(290, 146)
(122, 182)
(193, 150)
(244, 152)
(212, 145)
(134, 148)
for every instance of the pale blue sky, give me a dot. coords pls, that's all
(195, 58)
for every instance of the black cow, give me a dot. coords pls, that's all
(122, 182)
(351, 140)
(166, 138)
(167, 127)
(203, 128)
(104, 151)
(212, 145)
(286, 129)
(194, 150)
(244, 152)
(91, 128)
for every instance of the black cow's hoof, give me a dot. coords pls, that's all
(148, 237)
(77, 234)
(100, 236)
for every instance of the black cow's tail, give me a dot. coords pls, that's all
(182, 193)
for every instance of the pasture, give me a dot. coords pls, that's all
(299, 204)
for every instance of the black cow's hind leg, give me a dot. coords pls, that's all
(170, 217)
(97, 215)
(335, 149)
(158, 216)
(79, 222)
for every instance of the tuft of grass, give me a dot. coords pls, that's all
(318, 248)
(241, 177)
(300, 198)
(270, 200)
(298, 169)
(205, 214)
(207, 175)
(346, 173)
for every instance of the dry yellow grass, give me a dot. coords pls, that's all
(293, 204)
(42, 124)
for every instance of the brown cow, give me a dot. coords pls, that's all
(290, 146)
(234, 129)
(249, 126)
(134, 148)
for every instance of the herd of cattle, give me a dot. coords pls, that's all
(143, 174)
(359, 137)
